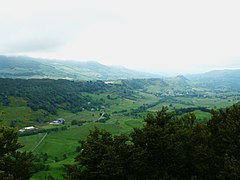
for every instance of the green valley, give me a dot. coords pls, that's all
(119, 90)
(118, 107)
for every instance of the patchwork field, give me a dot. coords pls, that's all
(118, 109)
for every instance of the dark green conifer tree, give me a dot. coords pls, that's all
(13, 164)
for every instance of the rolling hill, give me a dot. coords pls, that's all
(27, 67)
(218, 79)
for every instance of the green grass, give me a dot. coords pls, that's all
(60, 142)
(79, 116)
(30, 143)
(126, 124)
(202, 116)
(56, 170)
(129, 124)
(208, 102)
(19, 112)
(22, 113)
(56, 144)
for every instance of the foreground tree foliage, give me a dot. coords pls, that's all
(102, 156)
(13, 164)
(167, 147)
(163, 145)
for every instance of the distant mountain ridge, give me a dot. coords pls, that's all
(218, 79)
(17, 62)
(27, 67)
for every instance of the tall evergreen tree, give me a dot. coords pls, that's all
(13, 164)
(166, 147)
(102, 156)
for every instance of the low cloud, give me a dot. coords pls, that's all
(33, 45)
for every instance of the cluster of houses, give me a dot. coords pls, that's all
(31, 128)
(58, 121)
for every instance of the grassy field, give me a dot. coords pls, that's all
(20, 114)
(64, 143)
(61, 145)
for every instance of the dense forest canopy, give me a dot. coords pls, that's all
(167, 147)
(50, 94)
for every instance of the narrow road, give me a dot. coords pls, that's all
(39, 142)
(101, 116)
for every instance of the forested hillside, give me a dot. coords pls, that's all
(45, 97)
(49, 94)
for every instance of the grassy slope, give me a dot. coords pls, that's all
(56, 144)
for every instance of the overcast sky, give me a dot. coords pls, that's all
(168, 36)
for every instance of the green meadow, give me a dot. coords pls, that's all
(125, 109)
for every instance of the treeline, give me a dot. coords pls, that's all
(191, 109)
(167, 147)
(50, 94)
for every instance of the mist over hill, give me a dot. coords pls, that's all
(218, 79)
(27, 67)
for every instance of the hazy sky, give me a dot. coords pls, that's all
(176, 36)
